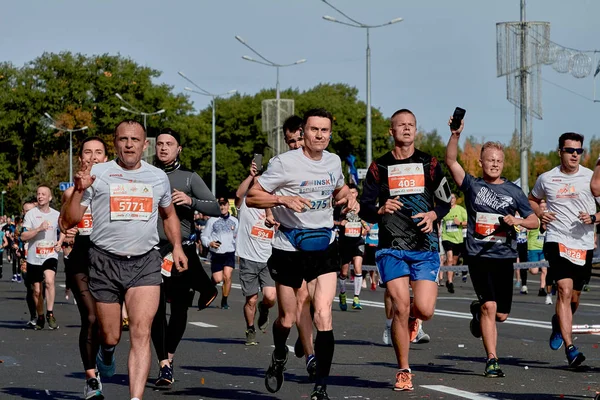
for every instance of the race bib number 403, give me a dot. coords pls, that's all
(130, 201)
(406, 179)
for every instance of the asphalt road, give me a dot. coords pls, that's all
(213, 363)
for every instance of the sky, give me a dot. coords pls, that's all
(441, 56)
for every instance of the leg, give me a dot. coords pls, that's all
(424, 298)
(109, 322)
(450, 261)
(250, 309)
(142, 303)
(50, 289)
(88, 334)
(304, 321)
(489, 332)
(227, 272)
(563, 309)
(358, 276)
(158, 331)
(286, 303)
(397, 289)
(38, 298)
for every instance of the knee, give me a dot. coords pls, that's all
(287, 320)
(565, 293)
(488, 308)
(90, 320)
(49, 283)
(37, 290)
(424, 315)
(501, 317)
(322, 318)
(269, 299)
(251, 300)
(140, 331)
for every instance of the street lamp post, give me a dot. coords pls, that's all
(53, 125)
(2, 211)
(269, 63)
(214, 96)
(134, 110)
(356, 24)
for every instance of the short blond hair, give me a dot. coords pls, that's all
(491, 145)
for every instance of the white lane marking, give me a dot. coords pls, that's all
(456, 392)
(203, 325)
(290, 348)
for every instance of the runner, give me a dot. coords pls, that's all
(521, 273)
(569, 246)
(453, 225)
(93, 150)
(219, 236)
(399, 193)
(371, 242)
(491, 201)
(301, 187)
(190, 194)
(41, 224)
(23, 246)
(352, 249)
(125, 196)
(254, 249)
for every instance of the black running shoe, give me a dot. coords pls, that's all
(298, 348)
(450, 287)
(311, 368)
(165, 377)
(39, 325)
(263, 317)
(319, 393)
(274, 376)
(475, 325)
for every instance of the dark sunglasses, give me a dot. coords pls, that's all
(572, 150)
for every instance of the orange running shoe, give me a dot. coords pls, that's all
(403, 381)
(413, 327)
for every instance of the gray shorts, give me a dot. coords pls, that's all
(111, 275)
(254, 276)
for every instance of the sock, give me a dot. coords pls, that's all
(388, 322)
(107, 354)
(342, 285)
(223, 300)
(324, 346)
(280, 335)
(250, 327)
(358, 285)
(49, 313)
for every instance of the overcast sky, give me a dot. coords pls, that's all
(442, 55)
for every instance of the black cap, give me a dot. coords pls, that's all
(169, 131)
(223, 200)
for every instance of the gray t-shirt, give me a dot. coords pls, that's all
(486, 204)
(124, 205)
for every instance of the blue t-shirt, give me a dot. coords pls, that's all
(1, 241)
(486, 204)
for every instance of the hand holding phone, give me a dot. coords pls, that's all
(457, 117)
(258, 158)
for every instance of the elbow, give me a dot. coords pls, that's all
(595, 187)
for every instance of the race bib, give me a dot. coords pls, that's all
(576, 256)
(130, 201)
(353, 229)
(44, 249)
(260, 232)
(406, 179)
(320, 204)
(374, 234)
(84, 227)
(451, 226)
(486, 224)
(167, 265)
(522, 236)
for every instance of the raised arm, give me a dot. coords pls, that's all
(456, 170)
(245, 185)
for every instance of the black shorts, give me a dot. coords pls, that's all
(369, 258)
(456, 248)
(522, 251)
(350, 250)
(112, 275)
(493, 280)
(178, 285)
(561, 268)
(289, 268)
(78, 261)
(35, 273)
(220, 261)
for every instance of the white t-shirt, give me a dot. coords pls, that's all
(254, 238)
(41, 246)
(220, 229)
(294, 174)
(124, 206)
(567, 195)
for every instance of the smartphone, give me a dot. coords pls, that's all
(459, 114)
(258, 161)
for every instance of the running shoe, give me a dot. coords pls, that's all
(125, 324)
(251, 337)
(556, 339)
(465, 277)
(263, 317)
(206, 298)
(274, 376)
(299, 348)
(413, 328)
(518, 285)
(105, 370)
(524, 289)
(450, 287)
(311, 368)
(51, 322)
(32, 323)
(373, 286)
(14, 278)
(343, 305)
(422, 337)
(542, 292)
(19, 279)
(548, 299)
(356, 303)
(225, 306)
(319, 393)
(574, 356)
(586, 288)
(403, 381)
(475, 325)
(165, 376)
(492, 369)
(39, 324)
(92, 389)
(387, 335)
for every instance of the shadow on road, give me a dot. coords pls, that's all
(215, 340)
(29, 393)
(534, 396)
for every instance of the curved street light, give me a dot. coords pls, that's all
(54, 125)
(133, 110)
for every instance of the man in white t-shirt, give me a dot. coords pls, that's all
(125, 196)
(569, 246)
(301, 187)
(41, 224)
(253, 247)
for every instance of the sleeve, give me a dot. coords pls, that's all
(463, 214)
(202, 198)
(523, 205)
(273, 177)
(467, 182)
(340, 179)
(442, 192)
(370, 195)
(207, 232)
(165, 200)
(86, 200)
(538, 191)
(28, 221)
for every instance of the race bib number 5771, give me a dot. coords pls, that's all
(130, 201)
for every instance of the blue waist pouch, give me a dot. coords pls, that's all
(308, 239)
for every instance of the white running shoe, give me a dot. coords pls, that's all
(387, 335)
(548, 299)
(422, 337)
(524, 289)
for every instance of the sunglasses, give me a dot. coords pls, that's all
(572, 150)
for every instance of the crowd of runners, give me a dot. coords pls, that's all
(132, 236)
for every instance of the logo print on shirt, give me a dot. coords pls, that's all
(492, 199)
(567, 192)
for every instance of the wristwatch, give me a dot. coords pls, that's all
(593, 217)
